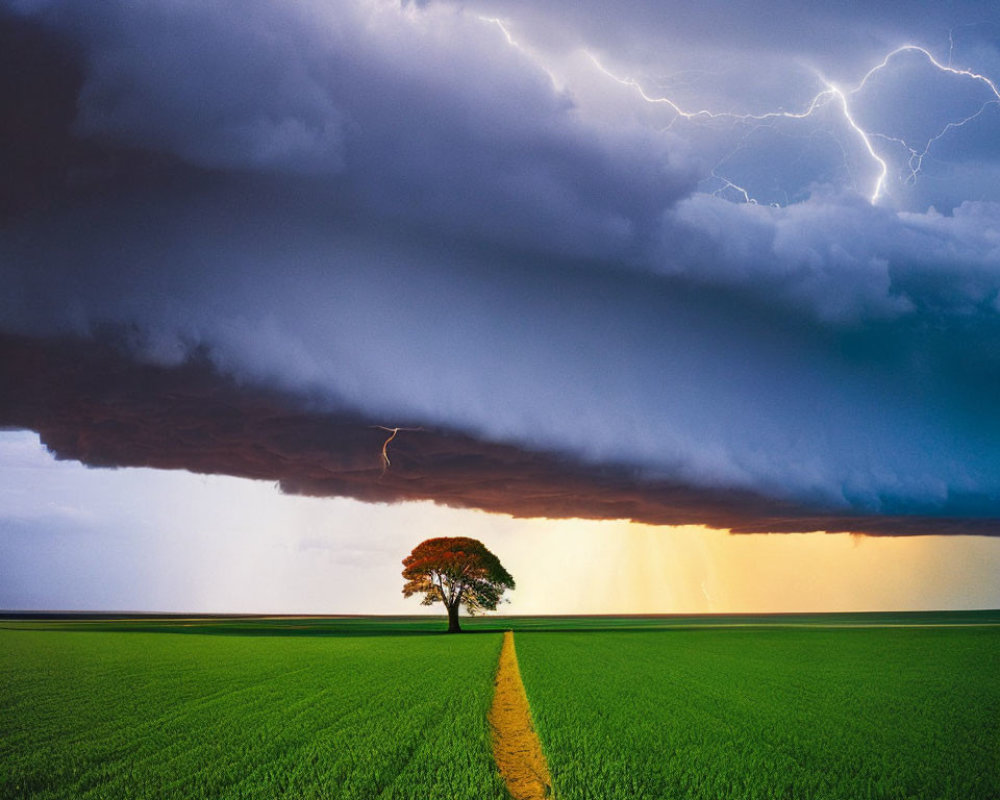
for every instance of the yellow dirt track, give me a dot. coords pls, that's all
(516, 748)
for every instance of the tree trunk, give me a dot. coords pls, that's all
(453, 626)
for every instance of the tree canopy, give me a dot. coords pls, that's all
(455, 571)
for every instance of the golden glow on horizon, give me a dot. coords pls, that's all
(142, 539)
(621, 567)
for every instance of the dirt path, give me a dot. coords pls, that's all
(516, 748)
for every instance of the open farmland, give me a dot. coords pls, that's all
(94, 714)
(768, 713)
(808, 707)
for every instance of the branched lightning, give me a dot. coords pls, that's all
(728, 184)
(830, 94)
(821, 99)
(916, 158)
(833, 93)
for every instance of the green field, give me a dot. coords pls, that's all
(159, 715)
(797, 706)
(762, 713)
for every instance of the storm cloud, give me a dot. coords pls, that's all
(241, 237)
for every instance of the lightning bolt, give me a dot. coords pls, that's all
(393, 433)
(916, 159)
(728, 184)
(708, 597)
(705, 113)
(505, 30)
(833, 93)
(866, 139)
(830, 94)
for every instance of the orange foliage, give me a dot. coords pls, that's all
(455, 571)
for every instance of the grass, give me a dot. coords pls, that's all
(159, 715)
(768, 713)
(419, 625)
(737, 706)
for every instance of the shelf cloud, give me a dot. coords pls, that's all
(253, 239)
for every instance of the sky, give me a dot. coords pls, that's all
(152, 540)
(700, 290)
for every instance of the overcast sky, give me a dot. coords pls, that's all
(721, 264)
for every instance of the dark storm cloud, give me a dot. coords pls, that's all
(264, 229)
(428, 117)
(745, 58)
(101, 408)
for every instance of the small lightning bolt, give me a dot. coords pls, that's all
(393, 433)
(708, 597)
(735, 187)
(505, 30)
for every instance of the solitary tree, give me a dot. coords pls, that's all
(455, 571)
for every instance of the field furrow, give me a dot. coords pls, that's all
(516, 748)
